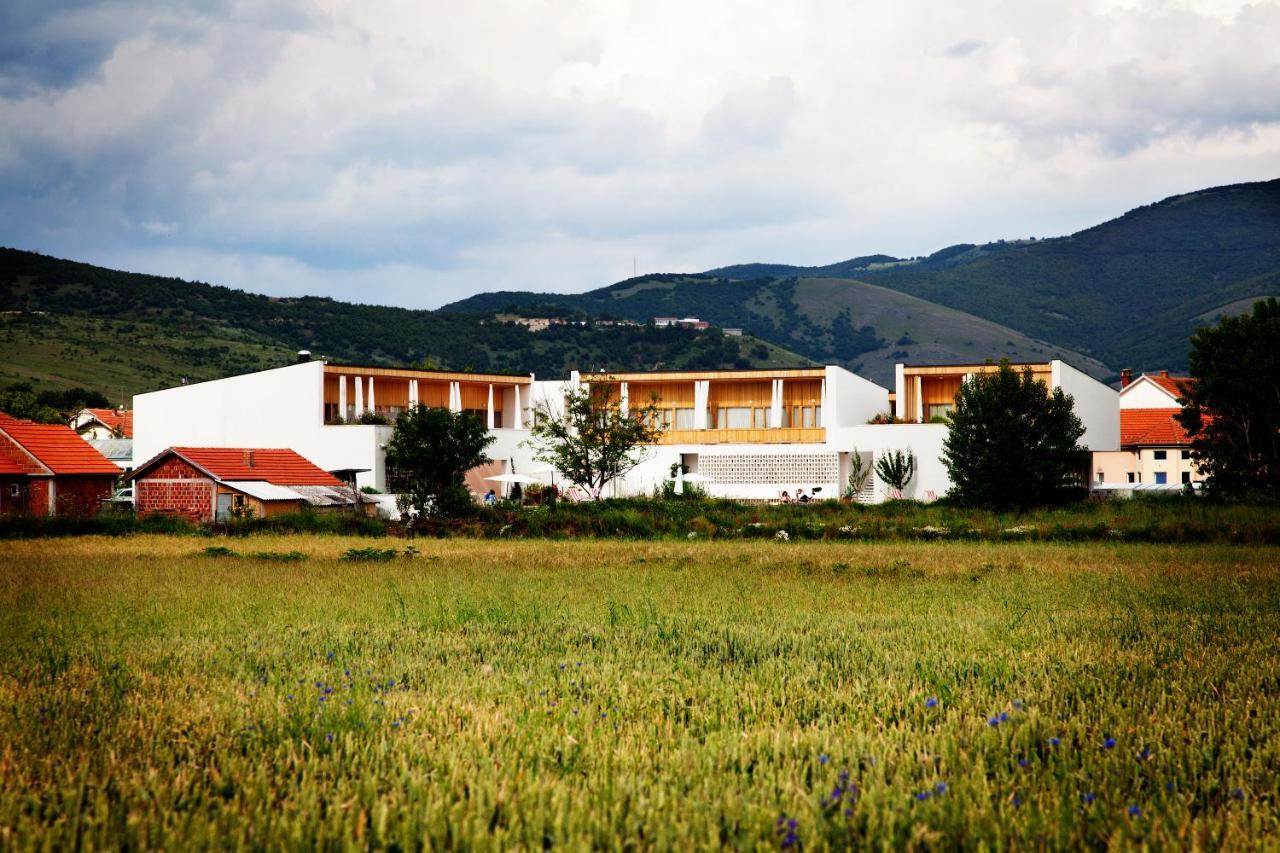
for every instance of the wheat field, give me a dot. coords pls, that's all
(308, 691)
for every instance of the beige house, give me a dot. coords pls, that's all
(1155, 451)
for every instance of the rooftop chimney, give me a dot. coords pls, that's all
(304, 355)
(1165, 374)
(1126, 376)
(248, 459)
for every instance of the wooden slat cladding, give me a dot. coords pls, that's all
(713, 375)
(788, 435)
(503, 379)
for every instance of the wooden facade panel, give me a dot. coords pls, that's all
(737, 394)
(789, 435)
(445, 376)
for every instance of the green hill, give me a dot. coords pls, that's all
(67, 324)
(1126, 293)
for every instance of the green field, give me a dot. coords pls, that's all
(586, 694)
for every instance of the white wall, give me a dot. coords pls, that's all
(1097, 405)
(272, 408)
(923, 440)
(1142, 393)
(852, 400)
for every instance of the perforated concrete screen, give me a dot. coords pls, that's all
(769, 468)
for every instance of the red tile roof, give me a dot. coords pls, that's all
(1151, 428)
(278, 466)
(10, 466)
(1175, 385)
(112, 418)
(57, 447)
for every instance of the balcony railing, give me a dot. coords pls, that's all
(752, 435)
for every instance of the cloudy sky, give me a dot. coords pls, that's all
(415, 152)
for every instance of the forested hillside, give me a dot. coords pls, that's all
(68, 323)
(1126, 293)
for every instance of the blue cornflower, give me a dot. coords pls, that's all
(1109, 743)
(1144, 755)
(780, 821)
(1237, 794)
(1017, 801)
(1134, 811)
(922, 796)
(329, 737)
(931, 702)
(290, 696)
(395, 724)
(790, 840)
(994, 721)
(824, 758)
(1022, 762)
(1017, 704)
(1169, 786)
(1053, 741)
(792, 823)
(330, 656)
(562, 666)
(1004, 717)
(941, 787)
(1089, 797)
(848, 812)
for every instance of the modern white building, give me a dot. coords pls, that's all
(748, 434)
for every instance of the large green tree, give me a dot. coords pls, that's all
(1013, 443)
(1232, 409)
(430, 453)
(592, 442)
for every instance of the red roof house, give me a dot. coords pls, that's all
(1152, 428)
(219, 483)
(46, 469)
(104, 423)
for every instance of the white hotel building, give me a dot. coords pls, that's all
(750, 433)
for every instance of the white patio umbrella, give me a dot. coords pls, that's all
(513, 478)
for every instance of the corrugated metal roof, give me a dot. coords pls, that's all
(57, 447)
(114, 448)
(327, 495)
(264, 491)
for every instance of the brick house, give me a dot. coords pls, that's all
(103, 423)
(218, 483)
(46, 469)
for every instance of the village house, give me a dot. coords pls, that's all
(97, 424)
(1155, 451)
(46, 469)
(220, 483)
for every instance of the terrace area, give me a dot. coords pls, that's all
(500, 400)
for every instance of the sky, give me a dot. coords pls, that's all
(413, 153)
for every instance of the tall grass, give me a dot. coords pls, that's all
(652, 695)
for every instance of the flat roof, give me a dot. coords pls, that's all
(417, 373)
(716, 373)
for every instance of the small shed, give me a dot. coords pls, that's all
(222, 483)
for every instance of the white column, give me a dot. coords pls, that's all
(775, 406)
(899, 392)
(372, 407)
(490, 413)
(455, 397)
(413, 393)
(919, 399)
(625, 394)
(342, 397)
(701, 393)
(518, 419)
(821, 420)
(359, 396)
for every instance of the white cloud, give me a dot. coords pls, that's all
(415, 152)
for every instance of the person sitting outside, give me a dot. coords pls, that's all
(516, 494)
(784, 497)
(801, 497)
(491, 497)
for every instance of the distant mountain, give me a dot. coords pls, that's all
(65, 324)
(1126, 293)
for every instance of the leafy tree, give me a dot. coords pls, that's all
(431, 450)
(859, 473)
(1012, 443)
(592, 442)
(896, 468)
(1232, 409)
(19, 401)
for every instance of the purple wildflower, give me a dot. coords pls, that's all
(931, 702)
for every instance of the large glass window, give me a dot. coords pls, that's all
(735, 417)
(684, 419)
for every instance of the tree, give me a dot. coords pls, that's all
(896, 468)
(859, 473)
(1012, 443)
(1232, 408)
(20, 401)
(431, 451)
(592, 442)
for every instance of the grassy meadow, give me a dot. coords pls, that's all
(159, 692)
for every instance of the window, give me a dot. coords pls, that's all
(807, 416)
(1186, 477)
(1101, 478)
(1186, 454)
(1161, 478)
(684, 419)
(940, 410)
(15, 490)
(1159, 455)
(736, 417)
(762, 418)
(1132, 477)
